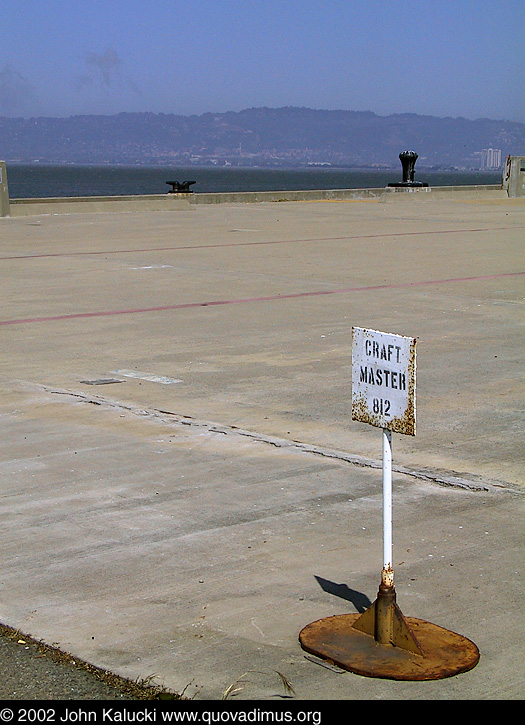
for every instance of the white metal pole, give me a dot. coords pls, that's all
(388, 573)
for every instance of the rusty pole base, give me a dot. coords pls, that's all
(441, 653)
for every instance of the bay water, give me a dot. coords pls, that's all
(39, 180)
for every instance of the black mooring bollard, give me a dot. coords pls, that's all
(408, 162)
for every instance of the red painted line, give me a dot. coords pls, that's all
(251, 244)
(269, 298)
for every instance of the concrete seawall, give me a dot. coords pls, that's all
(97, 204)
(377, 194)
(186, 202)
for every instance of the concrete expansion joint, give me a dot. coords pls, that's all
(448, 479)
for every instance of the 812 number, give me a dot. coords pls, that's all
(381, 407)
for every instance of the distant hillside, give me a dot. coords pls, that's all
(258, 137)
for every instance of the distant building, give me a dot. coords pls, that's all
(490, 159)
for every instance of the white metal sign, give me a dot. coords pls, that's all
(384, 380)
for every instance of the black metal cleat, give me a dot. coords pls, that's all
(180, 187)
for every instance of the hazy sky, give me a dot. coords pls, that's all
(439, 57)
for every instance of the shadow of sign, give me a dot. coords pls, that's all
(360, 601)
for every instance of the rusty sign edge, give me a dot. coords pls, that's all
(405, 423)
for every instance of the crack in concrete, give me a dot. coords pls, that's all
(450, 479)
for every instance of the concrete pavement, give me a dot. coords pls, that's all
(182, 487)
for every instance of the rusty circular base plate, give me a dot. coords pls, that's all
(445, 653)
